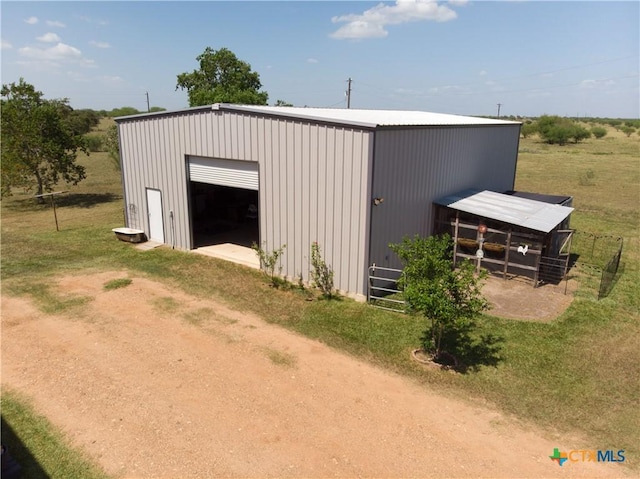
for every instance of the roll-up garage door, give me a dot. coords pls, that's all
(216, 171)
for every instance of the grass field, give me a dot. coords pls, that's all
(578, 374)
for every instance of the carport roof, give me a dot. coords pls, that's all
(531, 214)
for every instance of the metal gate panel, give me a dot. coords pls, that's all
(217, 171)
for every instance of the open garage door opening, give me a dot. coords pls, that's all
(224, 202)
(223, 214)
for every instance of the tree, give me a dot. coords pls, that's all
(82, 121)
(450, 299)
(39, 144)
(112, 145)
(124, 111)
(528, 129)
(283, 103)
(628, 130)
(599, 131)
(222, 78)
(557, 130)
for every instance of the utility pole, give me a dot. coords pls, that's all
(349, 93)
(148, 108)
(499, 105)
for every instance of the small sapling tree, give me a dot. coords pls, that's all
(450, 299)
(269, 261)
(321, 273)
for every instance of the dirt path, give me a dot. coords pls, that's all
(154, 383)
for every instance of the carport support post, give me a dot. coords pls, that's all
(506, 256)
(455, 239)
(535, 276)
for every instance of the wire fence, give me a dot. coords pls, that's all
(597, 258)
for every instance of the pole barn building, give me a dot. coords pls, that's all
(352, 180)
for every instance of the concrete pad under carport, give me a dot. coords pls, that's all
(231, 252)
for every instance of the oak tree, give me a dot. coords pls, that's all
(222, 78)
(39, 140)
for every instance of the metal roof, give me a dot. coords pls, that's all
(532, 214)
(367, 118)
(355, 117)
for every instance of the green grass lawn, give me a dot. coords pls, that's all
(578, 374)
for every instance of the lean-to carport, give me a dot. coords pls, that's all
(508, 234)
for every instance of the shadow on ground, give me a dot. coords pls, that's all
(71, 200)
(469, 349)
(29, 465)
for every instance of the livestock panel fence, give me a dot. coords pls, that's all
(596, 259)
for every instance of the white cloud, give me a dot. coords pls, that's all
(371, 23)
(483, 73)
(77, 76)
(55, 23)
(31, 20)
(312, 60)
(407, 91)
(100, 44)
(87, 19)
(112, 80)
(5, 45)
(53, 56)
(588, 83)
(448, 89)
(596, 83)
(49, 38)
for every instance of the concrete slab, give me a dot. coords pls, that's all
(231, 252)
(147, 245)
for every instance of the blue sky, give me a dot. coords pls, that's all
(463, 57)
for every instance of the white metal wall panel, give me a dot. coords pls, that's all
(313, 183)
(216, 171)
(414, 167)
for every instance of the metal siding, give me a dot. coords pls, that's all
(313, 181)
(413, 168)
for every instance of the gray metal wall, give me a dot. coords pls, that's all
(314, 182)
(413, 167)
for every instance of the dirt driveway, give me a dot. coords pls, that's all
(153, 383)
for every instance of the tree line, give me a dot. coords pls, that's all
(42, 138)
(558, 130)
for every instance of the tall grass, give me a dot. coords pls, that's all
(577, 374)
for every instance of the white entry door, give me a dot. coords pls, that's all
(154, 210)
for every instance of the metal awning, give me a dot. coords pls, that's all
(532, 214)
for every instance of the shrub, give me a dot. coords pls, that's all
(599, 131)
(94, 142)
(528, 129)
(586, 179)
(269, 261)
(321, 273)
(628, 130)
